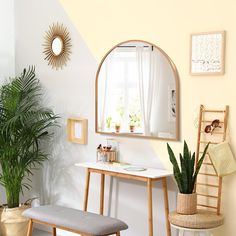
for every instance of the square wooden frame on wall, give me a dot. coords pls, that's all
(77, 129)
(222, 59)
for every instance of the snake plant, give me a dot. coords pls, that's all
(186, 174)
(25, 126)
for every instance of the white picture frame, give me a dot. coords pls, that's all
(207, 53)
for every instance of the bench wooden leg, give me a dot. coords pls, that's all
(118, 234)
(54, 231)
(30, 228)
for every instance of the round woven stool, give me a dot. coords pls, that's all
(203, 221)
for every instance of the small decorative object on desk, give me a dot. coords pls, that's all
(186, 177)
(106, 153)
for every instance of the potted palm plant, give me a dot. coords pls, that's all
(24, 126)
(186, 176)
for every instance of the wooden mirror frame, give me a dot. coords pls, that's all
(176, 76)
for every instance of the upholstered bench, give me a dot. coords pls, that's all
(76, 221)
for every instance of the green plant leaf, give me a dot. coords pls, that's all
(24, 125)
(183, 162)
(176, 170)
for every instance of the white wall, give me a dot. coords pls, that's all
(7, 52)
(7, 49)
(71, 93)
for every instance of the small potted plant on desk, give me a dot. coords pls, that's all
(24, 127)
(186, 176)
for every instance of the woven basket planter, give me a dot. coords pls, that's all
(187, 204)
(12, 222)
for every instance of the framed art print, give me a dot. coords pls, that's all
(207, 53)
(77, 129)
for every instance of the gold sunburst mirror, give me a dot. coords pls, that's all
(57, 46)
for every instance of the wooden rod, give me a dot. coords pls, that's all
(102, 194)
(219, 195)
(30, 228)
(207, 163)
(215, 132)
(214, 111)
(54, 231)
(198, 136)
(86, 193)
(213, 175)
(209, 185)
(202, 205)
(226, 122)
(208, 142)
(209, 121)
(206, 195)
(166, 204)
(150, 217)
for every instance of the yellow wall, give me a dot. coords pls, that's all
(168, 24)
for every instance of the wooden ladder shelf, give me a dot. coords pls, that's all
(206, 117)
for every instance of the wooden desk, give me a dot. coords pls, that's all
(149, 176)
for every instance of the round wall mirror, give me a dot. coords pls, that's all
(137, 92)
(57, 45)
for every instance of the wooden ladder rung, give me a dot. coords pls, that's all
(209, 185)
(215, 132)
(209, 142)
(207, 163)
(209, 121)
(206, 195)
(208, 174)
(202, 205)
(214, 111)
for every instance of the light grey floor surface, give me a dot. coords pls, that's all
(37, 232)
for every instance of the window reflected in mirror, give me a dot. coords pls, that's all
(137, 89)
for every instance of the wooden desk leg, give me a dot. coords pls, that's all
(150, 218)
(86, 190)
(166, 204)
(102, 194)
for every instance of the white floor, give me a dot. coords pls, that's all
(40, 233)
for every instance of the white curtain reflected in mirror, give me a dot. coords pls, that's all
(133, 92)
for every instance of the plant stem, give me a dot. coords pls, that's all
(13, 198)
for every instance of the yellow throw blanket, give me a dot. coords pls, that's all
(222, 159)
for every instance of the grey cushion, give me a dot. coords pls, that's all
(84, 222)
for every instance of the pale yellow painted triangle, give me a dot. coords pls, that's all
(105, 23)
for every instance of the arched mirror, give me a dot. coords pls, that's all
(137, 92)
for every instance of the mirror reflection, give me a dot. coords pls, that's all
(57, 45)
(137, 92)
